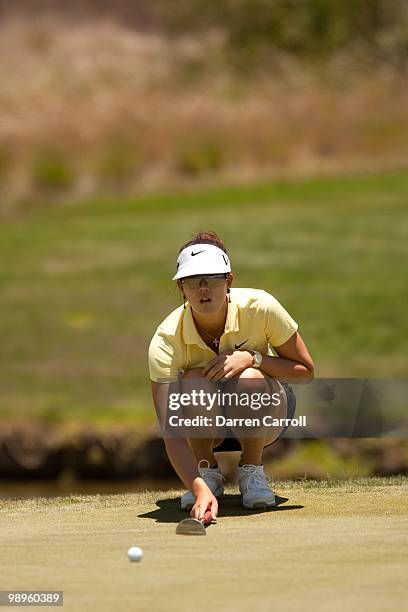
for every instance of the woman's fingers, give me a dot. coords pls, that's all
(225, 366)
(216, 371)
(204, 503)
(221, 358)
(230, 373)
(210, 364)
(198, 510)
(214, 508)
(201, 505)
(221, 374)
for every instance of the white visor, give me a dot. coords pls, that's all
(202, 259)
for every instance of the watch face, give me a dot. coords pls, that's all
(257, 359)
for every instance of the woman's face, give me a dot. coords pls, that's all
(206, 294)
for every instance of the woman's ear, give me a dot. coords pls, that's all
(230, 278)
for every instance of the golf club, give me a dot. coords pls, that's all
(193, 526)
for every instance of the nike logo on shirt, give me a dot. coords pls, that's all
(237, 346)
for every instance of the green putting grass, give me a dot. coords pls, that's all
(328, 546)
(84, 285)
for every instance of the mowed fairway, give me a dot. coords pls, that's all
(85, 284)
(326, 547)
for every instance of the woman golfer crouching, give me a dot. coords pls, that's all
(223, 336)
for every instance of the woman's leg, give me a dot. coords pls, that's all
(253, 381)
(252, 449)
(202, 447)
(252, 385)
(250, 381)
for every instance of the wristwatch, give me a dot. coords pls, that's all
(256, 359)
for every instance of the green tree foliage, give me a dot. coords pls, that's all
(300, 27)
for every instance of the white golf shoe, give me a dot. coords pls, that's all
(212, 477)
(253, 484)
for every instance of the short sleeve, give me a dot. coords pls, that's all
(279, 325)
(163, 363)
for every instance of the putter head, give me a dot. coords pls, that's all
(191, 526)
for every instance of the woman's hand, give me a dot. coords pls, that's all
(228, 364)
(205, 500)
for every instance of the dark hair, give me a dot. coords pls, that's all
(206, 238)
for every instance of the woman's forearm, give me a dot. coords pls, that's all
(178, 449)
(181, 457)
(286, 369)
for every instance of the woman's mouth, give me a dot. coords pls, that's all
(205, 300)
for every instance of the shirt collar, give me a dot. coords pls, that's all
(190, 333)
(232, 324)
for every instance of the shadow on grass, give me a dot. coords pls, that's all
(169, 510)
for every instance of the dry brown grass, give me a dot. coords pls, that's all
(125, 110)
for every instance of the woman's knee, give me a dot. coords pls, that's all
(251, 374)
(203, 399)
(249, 380)
(194, 379)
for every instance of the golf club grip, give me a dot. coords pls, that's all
(206, 520)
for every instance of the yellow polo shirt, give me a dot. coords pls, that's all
(255, 320)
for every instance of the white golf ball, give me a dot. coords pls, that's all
(135, 553)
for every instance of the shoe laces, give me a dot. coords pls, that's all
(205, 470)
(256, 476)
